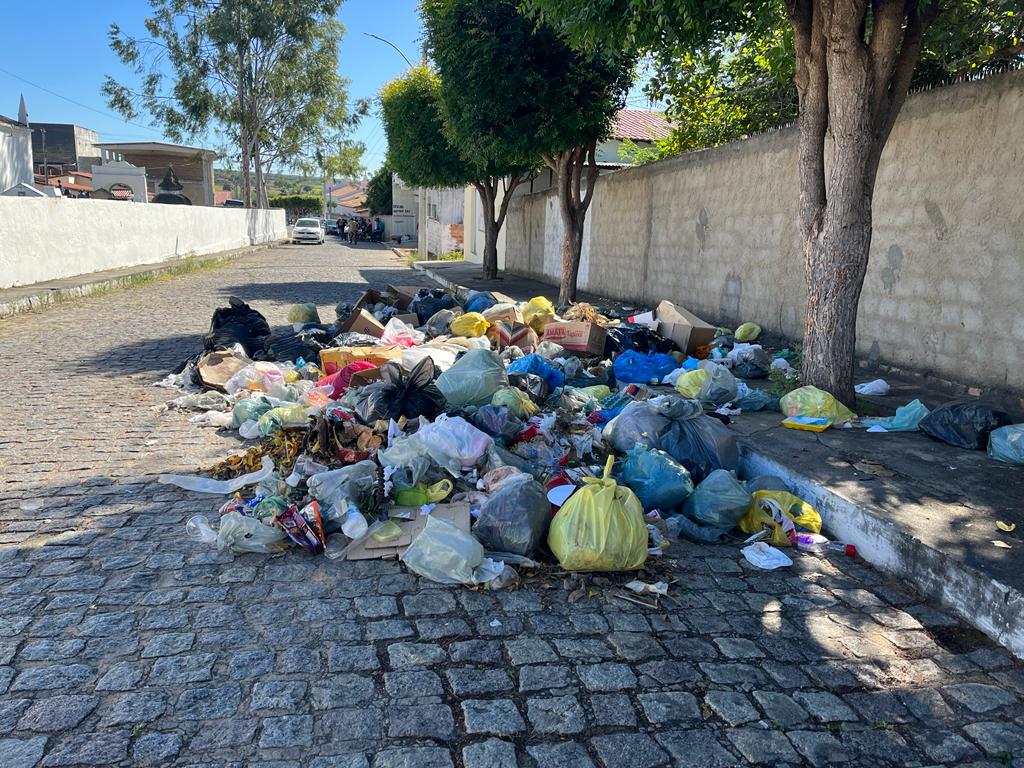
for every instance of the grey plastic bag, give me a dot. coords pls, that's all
(720, 501)
(515, 518)
(240, 533)
(720, 386)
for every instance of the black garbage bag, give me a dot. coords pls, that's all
(964, 424)
(515, 518)
(532, 384)
(498, 422)
(306, 343)
(398, 394)
(237, 323)
(342, 311)
(639, 338)
(429, 301)
(752, 363)
(680, 428)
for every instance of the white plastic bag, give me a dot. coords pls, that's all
(878, 387)
(201, 484)
(402, 334)
(765, 556)
(247, 534)
(444, 554)
(453, 442)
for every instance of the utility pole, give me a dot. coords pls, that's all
(423, 252)
(46, 166)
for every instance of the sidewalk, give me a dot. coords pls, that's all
(914, 507)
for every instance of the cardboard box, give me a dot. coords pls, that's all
(217, 367)
(406, 293)
(372, 296)
(361, 321)
(411, 318)
(684, 328)
(336, 358)
(586, 338)
(362, 378)
(371, 549)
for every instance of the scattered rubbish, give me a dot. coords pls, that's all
(1000, 544)
(872, 467)
(780, 514)
(641, 587)
(765, 557)
(964, 424)
(907, 419)
(222, 487)
(878, 387)
(1006, 527)
(747, 332)
(817, 544)
(1006, 444)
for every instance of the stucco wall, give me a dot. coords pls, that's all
(716, 231)
(53, 238)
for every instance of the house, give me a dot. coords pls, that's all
(193, 166)
(61, 147)
(15, 153)
(118, 180)
(642, 127)
(346, 199)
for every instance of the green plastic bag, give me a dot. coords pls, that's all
(907, 419)
(474, 378)
(811, 401)
(303, 313)
(600, 528)
(747, 332)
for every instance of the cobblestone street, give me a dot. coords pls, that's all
(124, 643)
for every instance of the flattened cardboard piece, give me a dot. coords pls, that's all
(217, 367)
(587, 338)
(371, 549)
(335, 358)
(405, 294)
(683, 327)
(372, 296)
(361, 321)
(410, 318)
(362, 378)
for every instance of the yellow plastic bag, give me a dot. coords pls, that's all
(600, 528)
(538, 312)
(472, 325)
(811, 401)
(689, 384)
(793, 507)
(747, 332)
(598, 391)
(516, 401)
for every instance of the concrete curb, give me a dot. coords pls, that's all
(426, 268)
(43, 296)
(981, 601)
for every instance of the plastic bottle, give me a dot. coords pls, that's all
(198, 528)
(817, 544)
(354, 525)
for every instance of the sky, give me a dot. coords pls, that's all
(61, 79)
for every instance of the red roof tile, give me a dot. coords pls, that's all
(640, 125)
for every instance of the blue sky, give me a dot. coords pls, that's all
(79, 28)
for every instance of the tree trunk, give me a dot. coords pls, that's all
(572, 249)
(570, 166)
(490, 255)
(246, 162)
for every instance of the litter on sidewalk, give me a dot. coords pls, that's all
(471, 436)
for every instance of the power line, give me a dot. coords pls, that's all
(80, 104)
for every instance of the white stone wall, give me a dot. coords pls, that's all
(47, 239)
(716, 231)
(15, 157)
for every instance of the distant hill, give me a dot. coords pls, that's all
(277, 183)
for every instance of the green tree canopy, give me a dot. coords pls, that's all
(299, 205)
(379, 192)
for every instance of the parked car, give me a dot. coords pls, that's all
(331, 226)
(308, 231)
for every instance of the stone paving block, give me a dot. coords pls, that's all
(529, 650)
(469, 681)
(979, 697)
(556, 714)
(57, 713)
(780, 708)
(278, 694)
(476, 651)
(497, 716)
(133, 708)
(566, 754)
(362, 724)
(88, 749)
(695, 748)
(825, 707)
(545, 677)
(606, 677)
(492, 753)
(669, 707)
(343, 690)
(612, 709)
(413, 757)
(155, 748)
(997, 738)
(21, 753)
(819, 748)
(629, 750)
(428, 721)
(174, 670)
(208, 703)
(762, 747)
(287, 731)
(352, 658)
(404, 655)
(53, 677)
(732, 706)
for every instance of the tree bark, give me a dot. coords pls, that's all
(571, 166)
(494, 217)
(855, 88)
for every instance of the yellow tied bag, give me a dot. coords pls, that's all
(688, 385)
(811, 401)
(797, 513)
(600, 528)
(471, 325)
(537, 313)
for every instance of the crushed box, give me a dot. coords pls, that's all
(684, 328)
(362, 321)
(371, 549)
(586, 338)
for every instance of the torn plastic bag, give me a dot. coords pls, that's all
(429, 301)
(516, 401)
(678, 427)
(876, 388)
(688, 385)
(474, 378)
(907, 418)
(537, 365)
(289, 347)
(811, 401)
(600, 528)
(549, 350)
(356, 340)
(241, 533)
(532, 384)
(633, 367)
(210, 400)
(409, 463)
(780, 513)
(756, 400)
(719, 387)
(658, 480)
(498, 457)
(443, 355)
(401, 334)
(751, 362)
(398, 394)
(499, 422)
(472, 325)
(515, 517)
(747, 332)
(439, 322)
(719, 501)
(639, 338)
(1006, 444)
(249, 409)
(237, 323)
(209, 485)
(447, 555)
(453, 443)
(964, 424)
(356, 483)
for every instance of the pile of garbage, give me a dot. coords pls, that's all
(472, 435)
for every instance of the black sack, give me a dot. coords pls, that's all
(964, 424)
(429, 301)
(306, 343)
(237, 324)
(637, 337)
(397, 395)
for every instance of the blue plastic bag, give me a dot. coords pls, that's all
(907, 419)
(658, 480)
(719, 501)
(756, 400)
(537, 365)
(1007, 444)
(479, 302)
(632, 367)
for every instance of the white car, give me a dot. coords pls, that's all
(308, 231)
